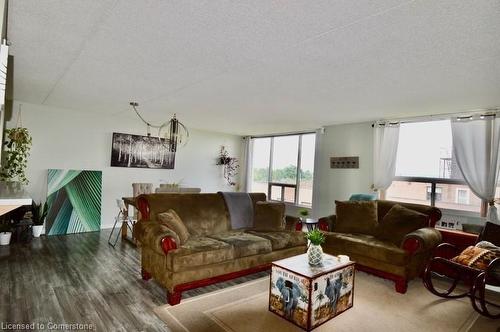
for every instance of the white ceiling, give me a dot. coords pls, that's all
(258, 66)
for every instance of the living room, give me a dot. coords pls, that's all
(190, 166)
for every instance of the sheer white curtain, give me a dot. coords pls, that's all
(246, 165)
(385, 148)
(476, 141)
(317, 185)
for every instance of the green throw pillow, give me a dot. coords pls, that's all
(399, 222)
(356, 217)
(172, 220)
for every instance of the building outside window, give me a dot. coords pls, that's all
(283, 167)
(462, 196)
(426, 170)
(438, 193)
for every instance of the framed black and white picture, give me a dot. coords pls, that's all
(138, 151)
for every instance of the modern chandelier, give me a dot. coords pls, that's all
(173, 132)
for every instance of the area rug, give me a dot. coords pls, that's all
(377, 307)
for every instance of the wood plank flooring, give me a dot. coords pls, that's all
(79, 278)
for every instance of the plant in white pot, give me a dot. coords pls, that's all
(303, 213)
(314, 251)
(5, 232)
(39, 213)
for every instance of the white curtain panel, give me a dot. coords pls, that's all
(385, 140)
(246, 165)
(317, 185)
(475, 145)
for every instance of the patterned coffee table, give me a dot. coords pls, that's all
(308, 296)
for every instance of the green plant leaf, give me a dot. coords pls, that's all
(315, 236)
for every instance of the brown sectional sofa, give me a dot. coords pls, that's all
(383, 258)
(214, 252)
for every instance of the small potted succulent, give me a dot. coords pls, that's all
(314, 251)
(39, 213)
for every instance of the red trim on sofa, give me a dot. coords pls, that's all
(143, 206)
(323, 225)
(298, 226)
(400, 283)
(411, 245)
(175, 297)
(167, 244)
(145, 275)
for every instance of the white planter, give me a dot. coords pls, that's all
(314, 254)
(37, 230)
(5, 238)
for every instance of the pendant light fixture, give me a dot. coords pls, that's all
(174, 132)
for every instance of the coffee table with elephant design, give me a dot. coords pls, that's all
(309, 296)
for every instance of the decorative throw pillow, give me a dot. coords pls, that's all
(399, 222)
(475, 257)
(496, 250)
(172, 220)
(269, 216)
(356, 217)
(489, 246)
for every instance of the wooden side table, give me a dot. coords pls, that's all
(309, 296)
(311, 223)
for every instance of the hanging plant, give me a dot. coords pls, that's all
(17, 147)
(229, 164)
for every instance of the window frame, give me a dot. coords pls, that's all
(434, 182)
(271, 183)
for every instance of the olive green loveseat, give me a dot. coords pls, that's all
(213, 252)
(397, 257)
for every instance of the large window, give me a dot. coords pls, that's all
(426, 170)
(283, 167)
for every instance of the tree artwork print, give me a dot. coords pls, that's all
(141, 152)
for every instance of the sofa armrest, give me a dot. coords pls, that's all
(292, 223)
(328, 221)
(423, 239)
(157, 236)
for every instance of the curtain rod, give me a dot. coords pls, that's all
(442, 116)
(284, 134)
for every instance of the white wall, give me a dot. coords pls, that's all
(67, 139)
(338, 184)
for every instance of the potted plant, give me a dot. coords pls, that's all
(17, 147)
(314, 251)
(303, 213)
(39, 213)
(5, 232)
(229, 164)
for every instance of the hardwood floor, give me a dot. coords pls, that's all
(79, 278)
